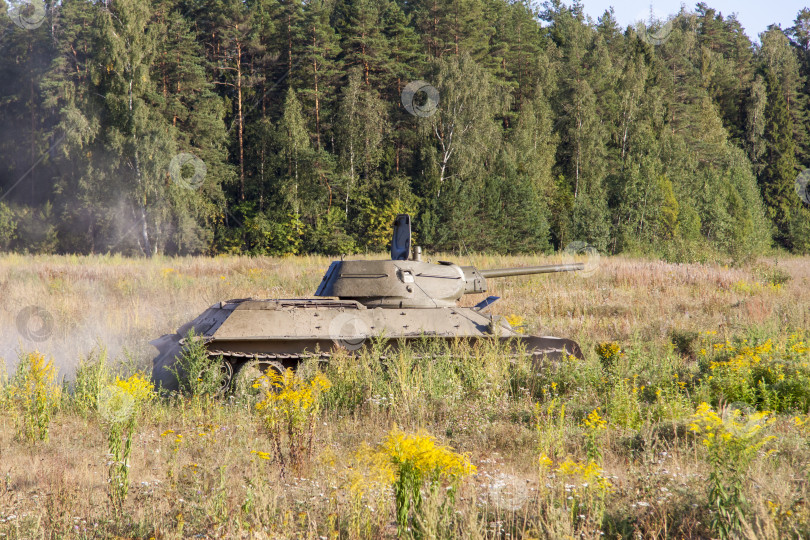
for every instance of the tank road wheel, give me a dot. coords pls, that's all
(226, 375)
(249, 373)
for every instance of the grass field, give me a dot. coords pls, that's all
(688, 417)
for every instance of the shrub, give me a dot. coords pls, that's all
(608, 353)
(419, 462)
(118, 405)
(288, 412)
(92, 376)
(34, 395)
(765, 375)
(411, 379)
(8, 226)
(732, 444)
(684, 342)
(197, 373)
(624, 403)
(550, 427)
(670, 401)
(593, 424)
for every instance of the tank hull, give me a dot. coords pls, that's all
(287, 331)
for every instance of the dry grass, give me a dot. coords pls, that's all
(211, 485)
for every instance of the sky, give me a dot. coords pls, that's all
(754, 15)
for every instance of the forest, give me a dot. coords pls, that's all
(272, 127)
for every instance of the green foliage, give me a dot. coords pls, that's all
(198, 374)
(378, 222)
(92, 376)
(329, 235)
(608, 352)
(8, 226)
(545, 134)
(119, 404)
(34, 396)
(593, 424)
(765, 375)
(624, 403)
(551, 428)
(264, 236)
(416, 463)
(732, 443)
(414, 378)
(35, 229)
(685, 341)
(800, 230)
(780, 165)
(288, 410)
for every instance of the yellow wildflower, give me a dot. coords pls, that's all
(420, 451)
(594, 421)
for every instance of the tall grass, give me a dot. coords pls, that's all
(580, 448)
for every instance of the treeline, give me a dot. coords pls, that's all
(277, 126)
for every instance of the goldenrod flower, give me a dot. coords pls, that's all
(34, 393)
(594, 421)
(420, 452)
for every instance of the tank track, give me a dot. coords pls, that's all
(233, 361)
(298, 357)
(290, 357)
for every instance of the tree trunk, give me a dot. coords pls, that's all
(143, 242)
(317, 102)
(240, 121)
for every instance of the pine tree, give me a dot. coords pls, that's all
(360, 136)
(779, 173)
(196, 116)
(232, 40)
(295, 152)
(778, 55)
(755, 123)
(572, 128)
(799, 35)
(69, 93)
(405, 61)
(135, 131)
(319, 70)
(363, 43)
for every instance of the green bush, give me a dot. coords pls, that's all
(412, 378)
(198, 374)
(34, 396)
(92, 375)
(766, 375)
(8, 227)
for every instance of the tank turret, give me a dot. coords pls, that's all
(406, 281)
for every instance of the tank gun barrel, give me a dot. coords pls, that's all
(525, 270)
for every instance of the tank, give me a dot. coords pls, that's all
(402, 300)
